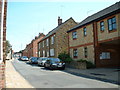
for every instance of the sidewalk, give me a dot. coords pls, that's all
(13, 78)
(103, 74)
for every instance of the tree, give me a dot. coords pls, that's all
(8, 47)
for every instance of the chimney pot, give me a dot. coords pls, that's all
(59, 21)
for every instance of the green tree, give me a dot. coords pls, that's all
(8, 47)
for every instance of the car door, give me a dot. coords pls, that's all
(47, 63)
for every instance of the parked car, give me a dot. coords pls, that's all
(54, 63)
(33, 60)
(24, 58)
(19, 58)
(42, 60)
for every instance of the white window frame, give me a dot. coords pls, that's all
(43, 53)
(39, 45)
(74, 35)
(47, 53)
(52, 40)
(43, 44)
(39, 53)
(105, 55)
(75, 53)
(52, 52)
(47, 42)
(1, 32)
(85, 31)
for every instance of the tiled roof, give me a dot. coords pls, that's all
(98, 15)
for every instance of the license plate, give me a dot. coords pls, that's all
(59, 65)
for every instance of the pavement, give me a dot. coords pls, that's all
(110, 75)
(15, 80)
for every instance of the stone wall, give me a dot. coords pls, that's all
(106, 34)
(77, 65)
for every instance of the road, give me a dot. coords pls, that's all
(39, 77)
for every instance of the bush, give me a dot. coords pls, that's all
(90, 64)
(65, 57)
(81, 60)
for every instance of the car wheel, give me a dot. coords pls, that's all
(63, 68)
(45, 66)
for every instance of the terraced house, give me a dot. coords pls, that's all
(32, 48)
(97, 38)
(3, 15)
(56, 41)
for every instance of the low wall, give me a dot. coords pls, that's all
(76, 65)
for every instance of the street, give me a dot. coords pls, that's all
(39, 77)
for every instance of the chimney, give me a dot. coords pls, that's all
(59, 21)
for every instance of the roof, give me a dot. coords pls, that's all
(113, 8)
(56, 29)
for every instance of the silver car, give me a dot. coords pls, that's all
(24, 58)
(42, 60)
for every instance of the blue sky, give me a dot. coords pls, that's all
(25, 20)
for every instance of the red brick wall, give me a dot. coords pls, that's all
(2, 75)
(2, 65)
(35, 45)
(32, 47)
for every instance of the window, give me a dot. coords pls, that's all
(85, 31)
(43, 43)
(105, 55)
(112, 24)
(39, 53)
(102, 26)
(52, 40)
(75, 53)
(52, 52)
(43, 53)
(85, 52)
(47, 42)
(47, 53)
(39, 45)
(74, 35)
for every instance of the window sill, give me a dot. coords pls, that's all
(75, 57)
(102, 31)
(114, 30)
(74, 38)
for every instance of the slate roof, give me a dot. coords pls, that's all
(113, 8)
(56, 29)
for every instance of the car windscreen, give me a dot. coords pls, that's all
(34, 58)
(55, 60)
(24, 57)
(44, 59)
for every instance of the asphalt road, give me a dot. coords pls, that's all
(39, 77)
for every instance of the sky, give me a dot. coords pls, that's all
(27, 18)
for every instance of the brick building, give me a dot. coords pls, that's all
(97, 38)
(56, 41)
(3, 13)
(31, 49)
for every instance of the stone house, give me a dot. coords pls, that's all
(97, 38)
(56, 41)
(3, 13)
